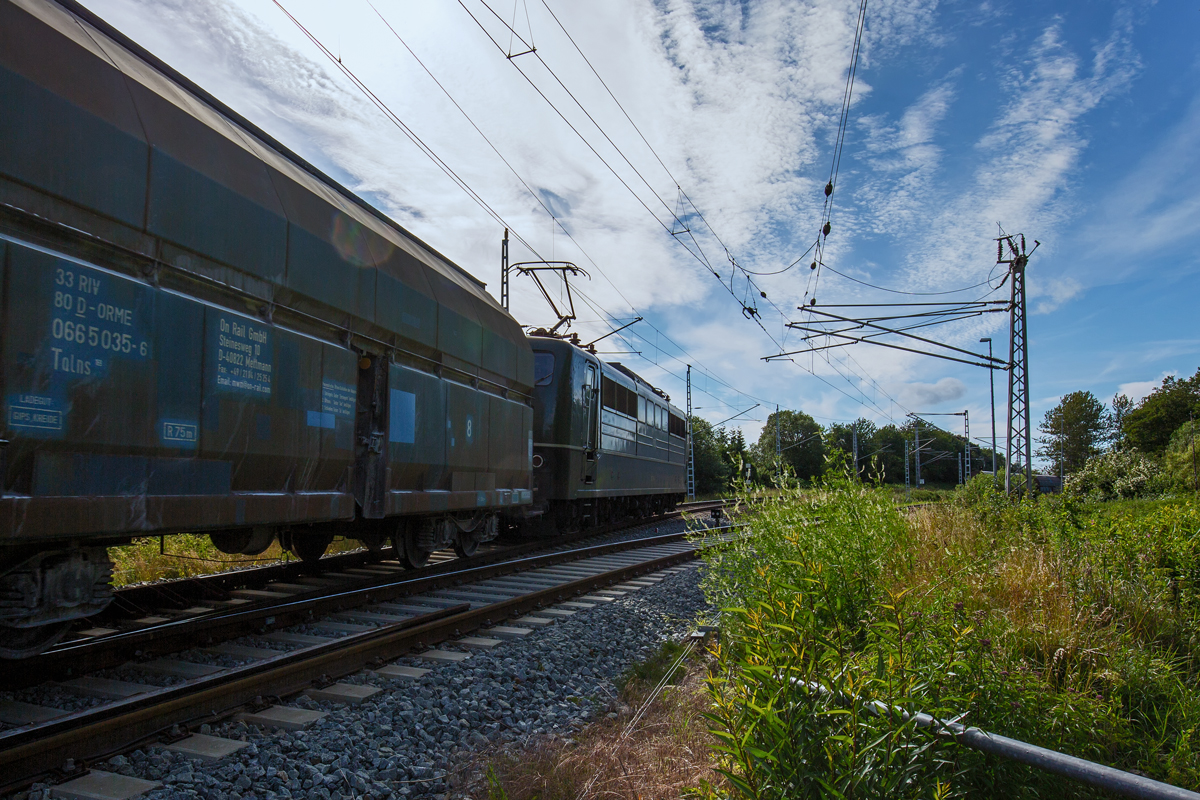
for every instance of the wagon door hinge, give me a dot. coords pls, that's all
(374, 442)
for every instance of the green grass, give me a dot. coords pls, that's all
(189, 554)
(646, 674)
(1073, 627)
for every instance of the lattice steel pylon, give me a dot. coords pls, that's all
(907, 479)
(1020, 441)
(504, 271)
(691, 464)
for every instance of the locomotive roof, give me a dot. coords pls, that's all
(640, 381)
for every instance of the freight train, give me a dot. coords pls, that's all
(201, 331)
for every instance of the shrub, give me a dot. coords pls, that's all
(1117, 474)
(1182, 459)
(794, 688)
(843, 532)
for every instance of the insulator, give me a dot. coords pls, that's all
(813, 302)
(999, 251)
(812, 265)
(763, 295)
(826, 229)
(828, 189)
(717, 274)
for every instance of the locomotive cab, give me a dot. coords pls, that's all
(607, 445)
(566, 409)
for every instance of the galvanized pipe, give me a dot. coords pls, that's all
(1119, 782)
(1110, 779)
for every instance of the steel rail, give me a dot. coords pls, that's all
(91, 736)
(112, 651)
(64, 658)
(146, 598)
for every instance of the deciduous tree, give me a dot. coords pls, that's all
(1073, 431)
(1149, 426)
(708, 448)
(799, 440)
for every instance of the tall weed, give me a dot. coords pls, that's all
(1043, 619)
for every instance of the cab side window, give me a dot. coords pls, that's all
(543, 368)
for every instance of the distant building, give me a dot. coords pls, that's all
(1048, 484)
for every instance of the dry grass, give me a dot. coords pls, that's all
(667, 753)
(1038, 590)
(1029, 581)
(187, 555)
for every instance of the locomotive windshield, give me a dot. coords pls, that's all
(543, 368)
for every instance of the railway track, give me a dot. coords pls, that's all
(163, 616)
(303, 644)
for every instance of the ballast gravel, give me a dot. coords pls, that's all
(401, 742)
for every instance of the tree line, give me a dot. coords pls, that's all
(1154, 436)
(805, 448)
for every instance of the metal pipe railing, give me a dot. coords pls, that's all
(1125, 784)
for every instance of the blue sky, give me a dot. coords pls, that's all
(1076, 123)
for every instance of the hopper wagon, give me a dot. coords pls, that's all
(200, 331)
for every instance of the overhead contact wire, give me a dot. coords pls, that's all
(399, 123)
(698, 254)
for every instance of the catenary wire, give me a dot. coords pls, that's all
(512, 169)
(517, 175)
(642, 136)
(495, 215)
(399, 123)
(699, 252)
(839, 146)
(839, 149)
(899, 291)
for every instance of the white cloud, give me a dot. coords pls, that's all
(924, 395)
(1138, 390)
(1053, 292)
(1029, 156)
(740, 100)
(904, 159)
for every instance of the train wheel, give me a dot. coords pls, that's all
(244, 541)
(406, 547)
(309, 547)
(27, 642)
(465, 545)
(413, 555)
